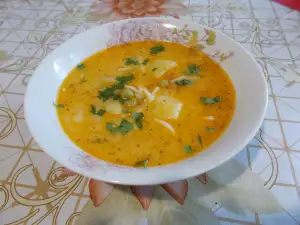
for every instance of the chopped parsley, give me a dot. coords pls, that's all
(138, 117)
(210, 101)
(142, 163)
(199, 138)
(106, 93)
(184, 82)
(210, 129)
(99, 112)
(157, 49)
(188, 149)
(58, 106)
(125, 79)
(193, 69)
(80, 66)
(118, 86)
(124, 127)
(154, 69)
(120, 99)
(145, 62)
(131, 61)
(109, 93)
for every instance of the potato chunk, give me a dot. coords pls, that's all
(112, 106)
(165, 107)
(159, 67)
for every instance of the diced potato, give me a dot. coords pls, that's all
(159, 67)
(166, 107)
(112, 106)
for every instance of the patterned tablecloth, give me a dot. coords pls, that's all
(260, 186)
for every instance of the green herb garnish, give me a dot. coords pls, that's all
(199, 138)
(120, 99)
(118, 86)
(210, 129)
(145, 61)
(58, 106)
(99, 112)
(80, 66)
(124, 127)
(142, 163)
(157, 49)
(138, 117)
(184, 82)
(188, 149)
(109, 92)
(210, 101)
(106, 93)
(154, 69)
(131, 61)
(125, 79)
(193, 69)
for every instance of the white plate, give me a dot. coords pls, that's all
(248, 80)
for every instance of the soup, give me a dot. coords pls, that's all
(146, 103)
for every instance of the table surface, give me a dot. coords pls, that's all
(30, 190)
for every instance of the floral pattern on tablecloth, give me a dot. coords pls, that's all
(32, 188)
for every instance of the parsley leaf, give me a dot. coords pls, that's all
(106, 93)
(184, 82)
(124, 127)
(80, 66)
(99, 112)
(192, 70)
(142, 163)
(210, 129)
(120, 99)
(131, 61)
(58, 106)
(188, 149)
(210, 101)
(125, 79)
(157, 49)
(118, 86)
(199, 139)
(93, 109)
(111, 127)
(145, 62)
(109, 92)
(138, 117)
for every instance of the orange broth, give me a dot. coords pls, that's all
(175, 101)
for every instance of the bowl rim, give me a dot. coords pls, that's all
(192, 173)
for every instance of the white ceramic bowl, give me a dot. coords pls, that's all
(248, 80)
